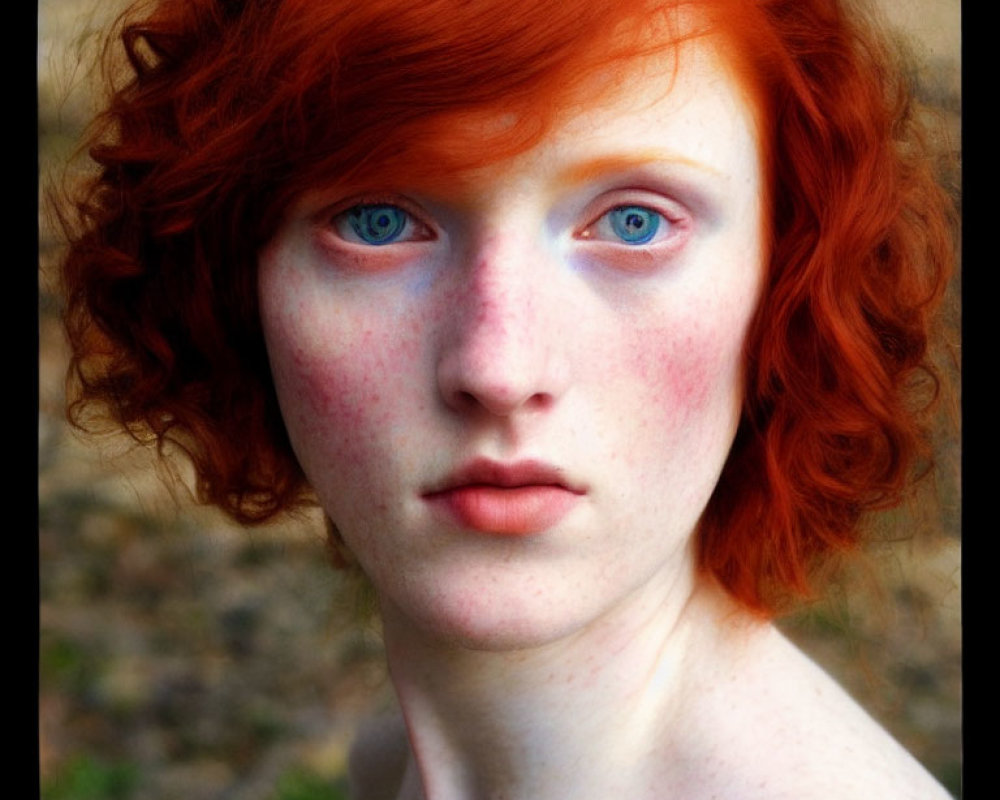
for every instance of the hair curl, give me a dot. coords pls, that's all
(232, 108)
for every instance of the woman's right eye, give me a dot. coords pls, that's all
(378, 224)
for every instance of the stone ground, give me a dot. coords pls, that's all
(181, 657)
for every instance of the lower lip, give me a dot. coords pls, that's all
(514, 511)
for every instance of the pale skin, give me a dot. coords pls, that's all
(558, 641)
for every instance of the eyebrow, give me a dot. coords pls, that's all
(607, 165)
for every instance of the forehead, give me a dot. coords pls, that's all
(681, 105)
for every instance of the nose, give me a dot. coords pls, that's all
(503, 346)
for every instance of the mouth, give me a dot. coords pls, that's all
(517, 499)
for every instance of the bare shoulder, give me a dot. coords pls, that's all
(378, 758)
(804, 737)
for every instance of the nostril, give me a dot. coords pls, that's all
(541, 401)
(466, 400)
(500, 403)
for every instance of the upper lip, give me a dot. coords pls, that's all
(485, 472)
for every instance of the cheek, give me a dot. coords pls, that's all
(690, 370)
(687, 395)
(338, 385)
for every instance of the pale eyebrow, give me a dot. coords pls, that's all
(597, 168)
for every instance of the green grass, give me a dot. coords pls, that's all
(301, 784)
(87, 778)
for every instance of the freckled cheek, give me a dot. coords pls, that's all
(689, 371)
(341, 392)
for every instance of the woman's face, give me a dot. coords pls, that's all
(514, 399)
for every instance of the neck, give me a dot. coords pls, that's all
(583, 716)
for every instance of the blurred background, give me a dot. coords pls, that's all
(184, 657)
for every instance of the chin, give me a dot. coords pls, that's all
(487, 621)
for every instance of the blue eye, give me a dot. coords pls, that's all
(377, 224)
(634, 224)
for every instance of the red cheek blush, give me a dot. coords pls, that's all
(677, 366)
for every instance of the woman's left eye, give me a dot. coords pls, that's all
(378, 224)
(629, 224)
(634, 224)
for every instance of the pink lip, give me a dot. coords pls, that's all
(506, 499)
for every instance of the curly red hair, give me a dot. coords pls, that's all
(233, 108)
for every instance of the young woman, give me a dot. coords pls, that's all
(594, 330)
